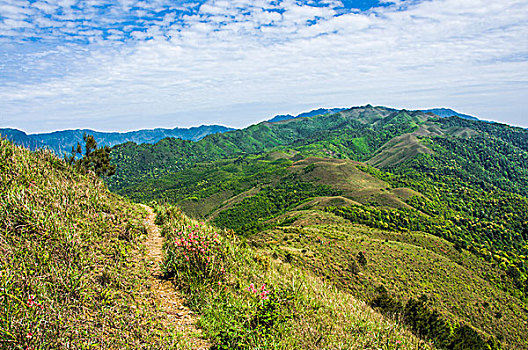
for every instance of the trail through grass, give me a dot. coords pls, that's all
(168, 301)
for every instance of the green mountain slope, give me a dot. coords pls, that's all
(73, 276)
(407, 265)
(251, 300)
(421, 183)
(355, 133)
(285, 213)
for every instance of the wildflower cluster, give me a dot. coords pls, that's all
(32, 302)
(262, 292)
(196, 251)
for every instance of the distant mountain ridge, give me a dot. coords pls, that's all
(62, 141)
(315, 112)
(447, 112)
(441, 112)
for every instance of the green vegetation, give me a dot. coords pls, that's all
(356, 133)
(430, 324)
(96, 159)
(322, 223)
(410, 266)
(69, 272)
(462, 181)
(249, 215)
(218, 179)
(249, 300)
(472, 198)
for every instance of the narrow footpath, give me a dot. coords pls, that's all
(168, 300)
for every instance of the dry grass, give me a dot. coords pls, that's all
(303, 312)
(71, 272)
(408, 264)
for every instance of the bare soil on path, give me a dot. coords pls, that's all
(171, 304)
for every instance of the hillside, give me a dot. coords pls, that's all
(398, 215)
(444, 190)
(252, 300)
(74, 271)
(355, 133)
(61, 142)
(389, 268)
(358, 133)
(80, 270)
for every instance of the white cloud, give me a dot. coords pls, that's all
(267, 56)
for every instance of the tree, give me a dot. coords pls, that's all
(96, 159)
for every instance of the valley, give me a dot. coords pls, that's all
(408, 227)
(442, 197)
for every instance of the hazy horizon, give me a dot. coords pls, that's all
(199, 125)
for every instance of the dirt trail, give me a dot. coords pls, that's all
(169, 301)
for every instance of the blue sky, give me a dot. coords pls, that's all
(131, 64)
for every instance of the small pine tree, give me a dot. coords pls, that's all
(96, 159)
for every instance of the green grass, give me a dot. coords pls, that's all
(71, 266)
(302, 310)
(408, 264)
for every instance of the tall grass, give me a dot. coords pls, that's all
(70, 276)
(257, 302)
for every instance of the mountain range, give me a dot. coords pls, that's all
(365, 227)
(61, 142)
(441, 112)
(438, 204)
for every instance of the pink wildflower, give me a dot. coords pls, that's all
(32, 302)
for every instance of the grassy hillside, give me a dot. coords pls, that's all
(73, 276)
(251, 300)
(460, 196)
(272, 183)
(408, 266)
(383, 137)
(460, 246)
(438, 195)
(70, 276)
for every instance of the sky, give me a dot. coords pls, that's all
(133, 64)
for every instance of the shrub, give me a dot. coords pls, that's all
(195, 254)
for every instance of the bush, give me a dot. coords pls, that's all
(195, 253)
